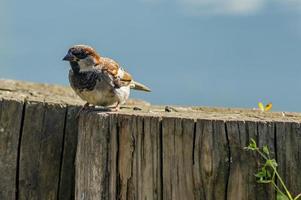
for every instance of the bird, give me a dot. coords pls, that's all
(98, 80)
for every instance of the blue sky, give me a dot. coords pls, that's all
(190, 52)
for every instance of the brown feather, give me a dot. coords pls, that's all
(94, 54)
(112, 67)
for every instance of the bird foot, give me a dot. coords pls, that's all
(115, 108)
(84, 108)
(87, 107)
(131, 108)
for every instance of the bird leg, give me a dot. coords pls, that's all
(116, 108)
(85, 107)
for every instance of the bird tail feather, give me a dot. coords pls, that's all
(139, 86)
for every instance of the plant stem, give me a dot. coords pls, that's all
(297, 197)
(262, 154)
(278, 176)
(282, 183)
(278, 189)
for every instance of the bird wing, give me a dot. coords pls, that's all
(120, 77)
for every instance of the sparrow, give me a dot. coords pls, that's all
(98, 80)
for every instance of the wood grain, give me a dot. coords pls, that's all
(40, 152)
(211, 157)
(67, 171)
(10, 125)
(188, 153)
(288, 140)
(178, 158)
(177, 161)
(92, 164)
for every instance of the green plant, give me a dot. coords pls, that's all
(268, 173)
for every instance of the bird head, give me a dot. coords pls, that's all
(83, 56)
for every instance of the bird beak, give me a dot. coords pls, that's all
(69, 57)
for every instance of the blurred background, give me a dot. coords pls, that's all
(190, 52)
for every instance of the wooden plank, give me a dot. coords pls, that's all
(266, 136)
(113, 159)
(168, 161)
(92, 157)
(177, 158)
(183, 141)
(10, 125)
(41, 148)
(211, 157)
(148, 158)
(134, 157)
(288, 140)
(193, 163)
(241, 183)
(67, 178)
(126, 157)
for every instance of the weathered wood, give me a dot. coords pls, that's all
(239, 178)
(132, 160)
(41, 149)
(266, 136)
(10, 125)
(67, 177)
(177, 161)
(149, 159)
(189, 153)
(38, 139)
(113, 159)
(288, 149)
(92, 181)
(126, 158)
(187, 159)
(211, 159)
(243, 165)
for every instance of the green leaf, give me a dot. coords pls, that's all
(266, 150)
(260, 174)
(297, 197)
(269, 174)
(252, 145)
(281, 196)
(272, 163)
(264, 181)
(264, 175)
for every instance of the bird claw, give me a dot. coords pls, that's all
(115, 109)
(136, 108)
(84, 108)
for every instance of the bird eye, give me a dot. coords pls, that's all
(80, 54)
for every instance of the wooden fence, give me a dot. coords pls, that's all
(188, 153)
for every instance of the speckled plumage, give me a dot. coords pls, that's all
(97, 88)
(98, 80)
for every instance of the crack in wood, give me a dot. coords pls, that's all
(161, 157)
(19, 149)
(122, 156)
(62, 153)
(229, 161)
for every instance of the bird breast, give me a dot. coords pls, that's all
(97, 88)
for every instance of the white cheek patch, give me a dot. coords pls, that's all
(84, 66)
